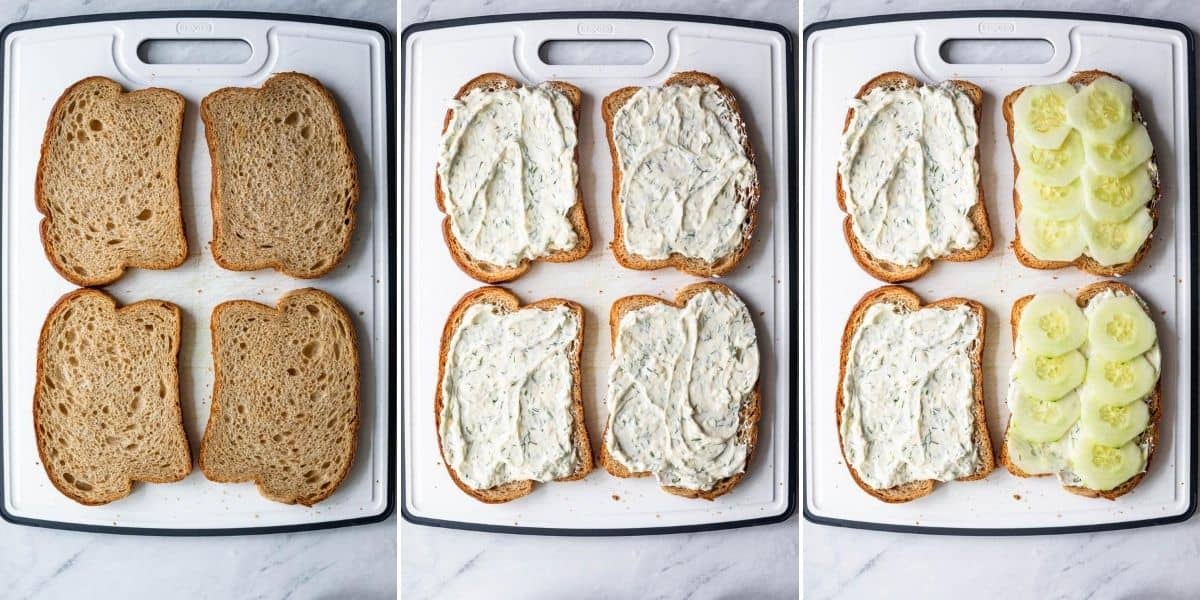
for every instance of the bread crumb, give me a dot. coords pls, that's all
(616, 497)
(1017, 497)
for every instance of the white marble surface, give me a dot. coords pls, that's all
(1158, 562)
(758, 562)
(355, 562)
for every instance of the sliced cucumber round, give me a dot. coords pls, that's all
(1050, 377)
(1053, 201)
(1040, 113)
(1116, 243)
(1037, 458)
(1102, 110)
(1051, 239)
(1111, 199)
(1119, 381)
(1043, 420)
(1052, 324)
(1120, 329)
(1113, 424)
(1053, 166)
(1102, 467)
(1121, 156)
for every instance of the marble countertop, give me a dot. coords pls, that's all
(1157, 562)
(756, 562)
(354, 562)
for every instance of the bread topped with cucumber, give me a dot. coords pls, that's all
(1086, 179)
(908, 176)
(1084, 391)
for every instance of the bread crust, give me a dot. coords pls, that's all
(693, 266)
(1083, 262)
(490, 273)
(904, 298)
(748, 416)
(891, 272)
(507, 302)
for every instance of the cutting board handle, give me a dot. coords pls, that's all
(931, 35)
(531, 36)
(131, 34)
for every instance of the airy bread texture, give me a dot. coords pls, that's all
(106, 402)
(890, 272)
(490, 273)
(1083, 262)
(694, 266)
(748, 417)
(108, 182)
(285, 396)
(284, 180)
(1082, 298)
(506, 302)
(902, 297)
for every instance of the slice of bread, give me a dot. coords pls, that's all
(1084, 262)
(691, 265)
(1082, 298)
(505, 302)
(285, 396)
(908, 301)
(106, 401)
(492, 273)
(284, 180)
(108, 182)
(748, 416)
(891, 272)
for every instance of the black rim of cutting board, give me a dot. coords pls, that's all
(793, 245)
(390, 98)
(1191, 204)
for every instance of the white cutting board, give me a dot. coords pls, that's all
(1154, 60)
(40, 63)
(437, 62)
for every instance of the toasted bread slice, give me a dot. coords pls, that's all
(891, 272)
(1084, 262)
(505, 302)
(285, 396)
(904, 298)
(106, 402)
(748, 416)
(1082, 298)
(492, 273)
(108, 182)
(692, 265)
(284, 179)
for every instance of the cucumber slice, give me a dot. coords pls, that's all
(1053, 166)
(1040, 113)
(1119, 329)
(1052, 324)
(1043, 420)
(1037, 458)
(1122, 156)
(1110, 198)
(1053, 201)
(1104, 467)
(1116, 243)
(1050, 377)
(1102, 110)
(1119, 381)
(1113, 424)
(1051, 239)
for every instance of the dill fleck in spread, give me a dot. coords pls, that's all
(506, 396)
(676, 387)
(508, 173)
(908, 395)
(686, 180)
(909, 174)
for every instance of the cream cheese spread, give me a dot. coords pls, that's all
(508, 173)
(686, 181)
(909, 174)
(507, 396)
(908, 395)
(678, 380)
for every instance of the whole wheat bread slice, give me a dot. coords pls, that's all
(491, 273)
(748, 416)
(506, 302)
(891, 272)
(108, 182)
(285, 396)
(284, 180)
(905, 299)
(1083, 262)
(106, 401)
(694, 266)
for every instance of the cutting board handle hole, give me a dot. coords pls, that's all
(1006, 51)
(595, 52)
(194, 52)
